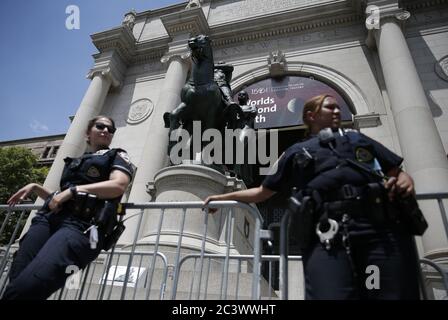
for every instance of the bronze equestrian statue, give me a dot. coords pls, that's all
(202, 98)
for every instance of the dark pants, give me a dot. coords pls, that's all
(48, 253)
(329, 274)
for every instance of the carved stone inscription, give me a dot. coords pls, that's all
(427, 18)
(299, 41)
(235, 10)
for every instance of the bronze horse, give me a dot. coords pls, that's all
(201, 97)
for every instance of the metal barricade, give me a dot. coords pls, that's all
(159, 251)
(199, 286)
(441, 270)
(284, 238)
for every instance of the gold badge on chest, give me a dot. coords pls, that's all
(93, 172)
(363, 155)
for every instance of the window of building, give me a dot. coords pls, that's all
(54, 152)
(46, 152)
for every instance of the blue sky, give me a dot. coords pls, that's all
(43, 64)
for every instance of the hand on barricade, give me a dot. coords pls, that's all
(206, 201)
(20, 195)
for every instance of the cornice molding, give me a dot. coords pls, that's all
(120, 39)
(177, 21)
(194, 21)
(149, 51)
(191, 21)
(309, 26)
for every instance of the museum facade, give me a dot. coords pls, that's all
(385, 60)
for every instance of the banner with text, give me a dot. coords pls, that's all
(280, 101)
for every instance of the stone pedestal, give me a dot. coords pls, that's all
(190, 182)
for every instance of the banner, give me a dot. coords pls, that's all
(280, 101)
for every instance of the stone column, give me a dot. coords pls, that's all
(154, 156)
(421, 145)
(74, 142)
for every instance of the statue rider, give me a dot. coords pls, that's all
(222, 77)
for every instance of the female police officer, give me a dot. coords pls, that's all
(342, 171)
(63, 235)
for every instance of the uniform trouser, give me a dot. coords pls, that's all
(393, 274)
(52, 248)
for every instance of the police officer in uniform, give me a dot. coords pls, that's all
(352, 247)
(66, 233)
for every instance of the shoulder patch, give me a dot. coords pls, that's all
(124, 155)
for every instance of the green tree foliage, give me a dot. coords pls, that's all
(18, 167)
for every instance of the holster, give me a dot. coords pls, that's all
(112, 238)
(112, 228)
(106, 217)
(301, 223)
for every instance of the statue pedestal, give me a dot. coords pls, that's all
(191, 182)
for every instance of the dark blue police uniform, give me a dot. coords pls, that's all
(341, 270)
(56, 241)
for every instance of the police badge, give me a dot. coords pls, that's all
(93, 172)
(363, 155)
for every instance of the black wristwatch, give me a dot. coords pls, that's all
(73, 191)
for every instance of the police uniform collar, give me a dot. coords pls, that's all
(102, 151)
(99, 152)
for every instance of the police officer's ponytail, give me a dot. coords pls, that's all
(92, 122)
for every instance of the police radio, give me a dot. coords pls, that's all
(326, 136)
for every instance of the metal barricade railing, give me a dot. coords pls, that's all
(284, 238)
(224, 281)
(109, 277)
(162, 234)
(439, 197)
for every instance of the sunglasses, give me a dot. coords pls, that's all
(101, 126)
